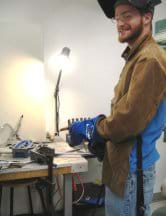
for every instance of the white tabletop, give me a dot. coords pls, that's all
(73, 159)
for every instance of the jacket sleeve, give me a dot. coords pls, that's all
(137, 107)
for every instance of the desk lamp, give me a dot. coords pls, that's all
(63, 58)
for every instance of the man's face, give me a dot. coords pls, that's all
(129, 23)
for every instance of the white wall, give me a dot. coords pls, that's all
(21, 57)
(22, 78)
(21, 83)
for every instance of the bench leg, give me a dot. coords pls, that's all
(11, 200)
(1, 188)
(30, 199)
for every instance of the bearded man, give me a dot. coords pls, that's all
(138, 111)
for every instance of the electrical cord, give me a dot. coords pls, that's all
(83, 192)
(59, 190)
(82, 185)
(60, 200)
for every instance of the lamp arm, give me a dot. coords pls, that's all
(57, 83)
(56, 97)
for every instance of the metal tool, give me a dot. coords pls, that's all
(73, 153)
(4, 164)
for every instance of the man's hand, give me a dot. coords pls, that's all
(86, 131)
(83, 130)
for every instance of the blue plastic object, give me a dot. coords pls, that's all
(22, 149)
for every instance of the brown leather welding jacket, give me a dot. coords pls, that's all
(141, 88)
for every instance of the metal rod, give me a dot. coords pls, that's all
(56, 96)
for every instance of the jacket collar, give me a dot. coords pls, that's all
(129, 52)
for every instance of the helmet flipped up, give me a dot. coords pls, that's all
(108, 5)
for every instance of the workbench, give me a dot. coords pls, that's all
(66, 165)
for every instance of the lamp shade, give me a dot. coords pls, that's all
(65, 51)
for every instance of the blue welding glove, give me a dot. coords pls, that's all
(84, 131)
(97, 145)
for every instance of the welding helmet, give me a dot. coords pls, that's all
(108, 6)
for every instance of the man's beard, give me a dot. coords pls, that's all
(134, 34)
